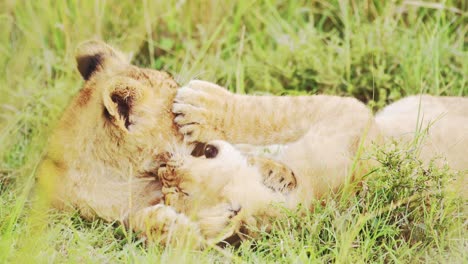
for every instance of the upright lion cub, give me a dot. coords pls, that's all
(104, 153)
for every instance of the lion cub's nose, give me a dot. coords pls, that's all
(211, 151)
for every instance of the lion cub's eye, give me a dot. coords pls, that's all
(211, 151)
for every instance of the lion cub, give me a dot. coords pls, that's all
(224, 190)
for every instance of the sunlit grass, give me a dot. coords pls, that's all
(377, 51)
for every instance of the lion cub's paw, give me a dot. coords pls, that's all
(167, 173)
(276, 175)
(163, 224)
(216, 223)
(199, 109)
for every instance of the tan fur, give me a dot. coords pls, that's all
(322, 137)
(440, 122)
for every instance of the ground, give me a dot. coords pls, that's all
(377, 51)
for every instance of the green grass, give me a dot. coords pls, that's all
(377, 51)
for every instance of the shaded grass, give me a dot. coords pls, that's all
(377, 51)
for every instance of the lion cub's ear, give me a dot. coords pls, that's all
(93, 56)
(121, 96)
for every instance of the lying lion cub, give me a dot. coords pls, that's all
(223, 190)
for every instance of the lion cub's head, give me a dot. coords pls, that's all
(119, 120)
(219, 189)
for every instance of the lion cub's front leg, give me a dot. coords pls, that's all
(276, 176)
(206, 111)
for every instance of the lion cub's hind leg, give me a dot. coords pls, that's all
(276, 175)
